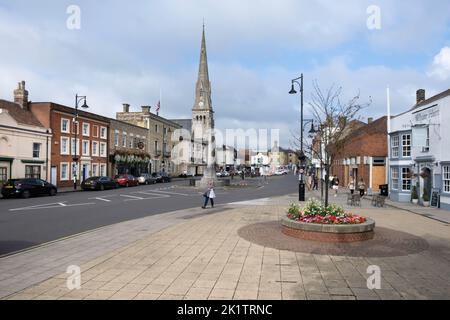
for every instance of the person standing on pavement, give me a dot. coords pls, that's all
(352, 186)
(362, 187)
(209, 195)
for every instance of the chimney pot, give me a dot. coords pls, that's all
(21, 95)
(370, 120)
(420, 96)
(146, 109)
(126, 107)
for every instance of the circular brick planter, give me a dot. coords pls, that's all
(329, 233)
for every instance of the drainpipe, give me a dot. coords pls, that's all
(46, 158)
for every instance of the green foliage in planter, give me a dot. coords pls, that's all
(414, 194)
(426, 196)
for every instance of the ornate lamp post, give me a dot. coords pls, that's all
(75, 159)
(302, 157)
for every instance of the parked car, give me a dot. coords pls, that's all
(146, 178)
(281, 172)
(99, 183)
(162, 177)
(126, 180)
(28, 187)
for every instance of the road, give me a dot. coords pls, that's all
(25, 223)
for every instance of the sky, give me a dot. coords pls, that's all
(129, 51)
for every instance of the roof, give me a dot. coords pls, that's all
(20, 115)
(439, 96)
(377, 126)
(70, 110)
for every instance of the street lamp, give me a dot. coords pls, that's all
(75, 159)
(301, 193)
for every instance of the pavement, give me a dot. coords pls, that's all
(216, 254)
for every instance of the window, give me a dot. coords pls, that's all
(102, 149)
(395, 144)
(103, 133)
(32, 172)
(406, 144)
(86, 129)
(131, 142)
(103, 170)
(116, 138)
(75, 128)
(156, 147)
(95, 131)
(64, 146)
(64, 171)
(394, 177)
(94, 148)
(124, 141)
(165, 131)
(65, 125)
(77, 146)
(85, 146)
(406, 179)
(36, 150)
(3, 174)
(156, 128)
(446, 178)
(94, 170)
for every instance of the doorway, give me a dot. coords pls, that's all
(54, 175)
(426, 182)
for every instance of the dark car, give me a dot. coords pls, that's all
(162, 177)
(126, 180)
(28, 187)
(99, 183)
(146, 178)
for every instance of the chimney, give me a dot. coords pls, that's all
(370, 120)
(126, 107)
(420, 95)
(21, 95)
(146, 109)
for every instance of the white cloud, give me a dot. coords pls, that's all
(441, 65)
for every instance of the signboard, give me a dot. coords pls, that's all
(435, 198)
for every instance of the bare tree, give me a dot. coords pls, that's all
(335, 121)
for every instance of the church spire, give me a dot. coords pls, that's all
(203, 88)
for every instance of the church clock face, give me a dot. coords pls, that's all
(201, 104)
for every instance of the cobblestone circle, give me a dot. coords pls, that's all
(386, 242)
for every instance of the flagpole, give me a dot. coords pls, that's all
(160, 99)
(388, 102)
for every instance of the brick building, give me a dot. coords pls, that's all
(91, 143)
(364, 155)
(129, 149)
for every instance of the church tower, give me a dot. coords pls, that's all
(203, 120)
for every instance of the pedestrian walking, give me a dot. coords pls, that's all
(209, 195)
(315, 182)
(336, 186)
(352, 186)
(362, 187)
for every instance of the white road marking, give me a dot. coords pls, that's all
(131, 197)
(170, 192)
(157, 195)
(51, 206)
(102, 199)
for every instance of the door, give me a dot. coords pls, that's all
(54, 175)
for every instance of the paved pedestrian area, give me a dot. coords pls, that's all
(201, 255)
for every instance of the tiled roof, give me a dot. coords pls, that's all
(20, 115)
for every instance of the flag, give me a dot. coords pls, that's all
(158, 106)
